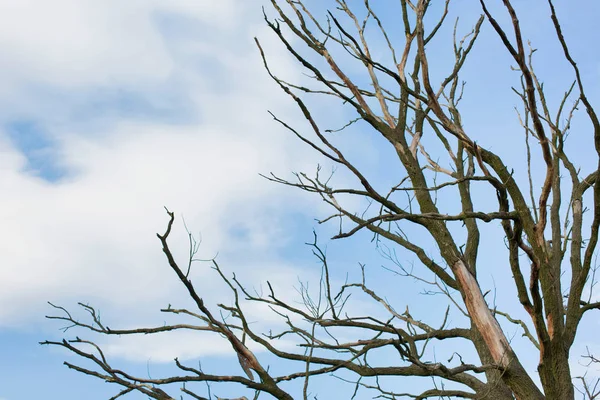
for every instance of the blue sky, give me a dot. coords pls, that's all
(111, 110)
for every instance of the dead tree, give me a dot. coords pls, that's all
(550, 246)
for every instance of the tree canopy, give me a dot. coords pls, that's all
(375, 63)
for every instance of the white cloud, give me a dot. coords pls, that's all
(91, 235)
(72, 42)
(98, 224)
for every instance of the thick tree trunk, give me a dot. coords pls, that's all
(515, 376)
(555, 372)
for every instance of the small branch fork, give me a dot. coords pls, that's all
(150, 387)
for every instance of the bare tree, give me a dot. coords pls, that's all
(550, 245)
